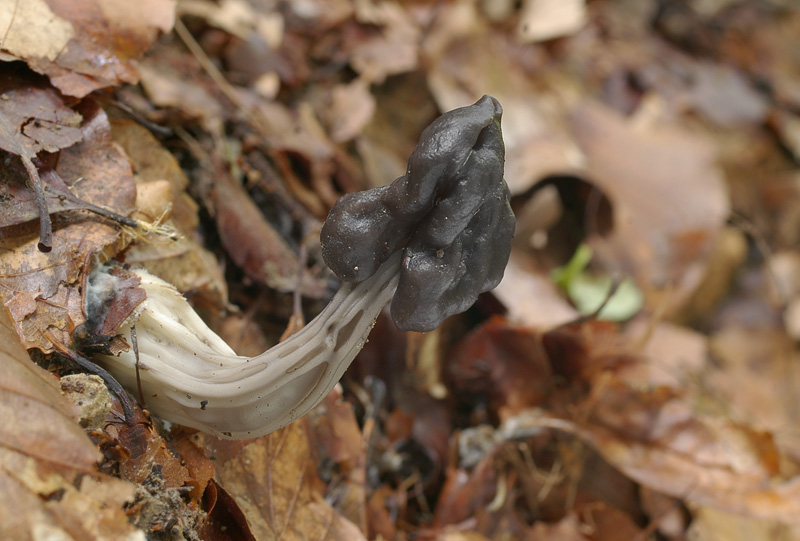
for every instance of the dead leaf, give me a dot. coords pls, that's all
(36, 114)
(183, 263)
(335, 430)
(671, 355)
(175, 80)
(43, 452)
(522, 283)
(710, 524)
(391, 51)
(668, 198)
(755, 378)
(274, 481)
(505, 364)
(653, 437)
(42, 290)
(542, 20)
(468, 59)
(84, 45)
(253, 243)
(32, 30)
(225, 520)
(352, 106)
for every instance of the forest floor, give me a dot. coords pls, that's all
(634, 376)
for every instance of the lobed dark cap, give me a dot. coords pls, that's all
(450, 212)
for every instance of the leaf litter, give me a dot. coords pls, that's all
(661, 136)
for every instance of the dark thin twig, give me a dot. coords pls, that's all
(106, 213)
(135, 345)
(614, 287)
(141, 119)
(45, 227)
(111, 383)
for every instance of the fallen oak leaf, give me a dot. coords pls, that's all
(84, 45)
(42, 290)
(662, 445)
(33, 117)
(38, 117)
(43, 451)
(274, 480)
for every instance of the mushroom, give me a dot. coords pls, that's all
(429, 243)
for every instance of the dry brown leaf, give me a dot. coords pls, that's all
(523, 282)
(756, 379)
(466, 494)
(173, 79)
(668, 198)
(653, 437)
(393, 50)
(42, 290)
(567, 529)
(713, 525)
(542, 20)
(147, 452)
(254, 245)
(352, 106)
(504, 365)
(83, 45)
(274, 481)
(32, 118)
(335, 430)
(671, 355)
(36, 115)
(43, 452)
(183, 263)
(32, 30)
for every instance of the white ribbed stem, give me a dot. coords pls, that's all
(191, 377)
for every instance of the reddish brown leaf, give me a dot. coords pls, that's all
(42, 290)
(43, 452)
(254, 244)
(504, 363)
(336, 432)
(274, 480)
(654, 438)
(83, 45)
(36, 114)
(668, 197)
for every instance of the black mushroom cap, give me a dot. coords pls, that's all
(450, 212)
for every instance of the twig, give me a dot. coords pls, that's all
(135, 345)
(111, 383)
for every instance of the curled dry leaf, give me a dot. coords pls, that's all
(41, 290)
(653, 437)
(669, 198)
(183, 263)
(43, 451)
(274, 481)
(83, 45)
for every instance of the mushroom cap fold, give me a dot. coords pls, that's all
(450, 212)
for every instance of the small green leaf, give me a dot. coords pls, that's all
(588, 291)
